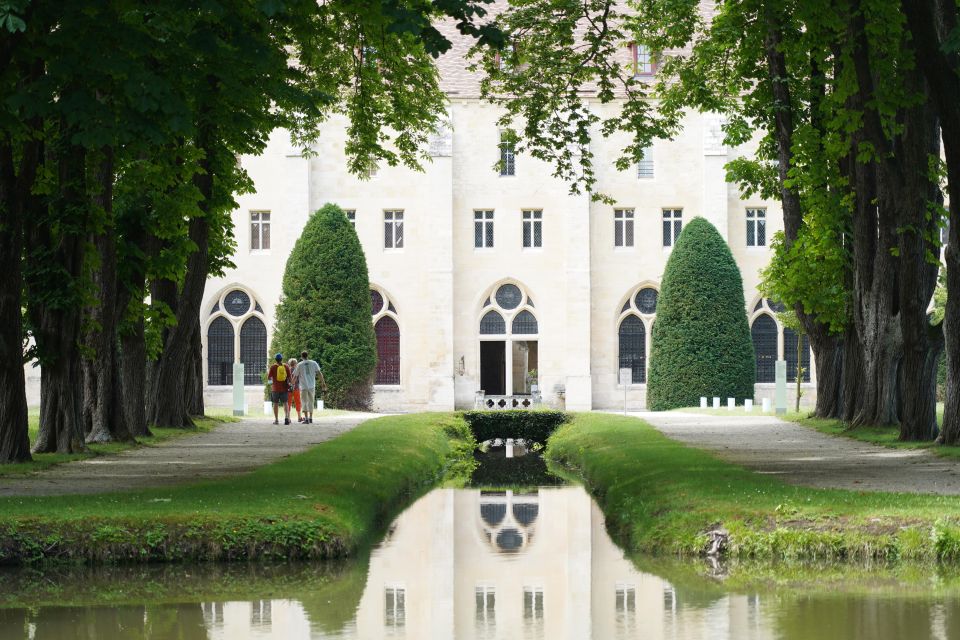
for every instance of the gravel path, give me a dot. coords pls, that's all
(227, 450)
(800, 455)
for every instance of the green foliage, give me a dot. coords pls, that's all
(533, 426)
(325, 308)
(701, 342)
(661, 496)
(322, 503)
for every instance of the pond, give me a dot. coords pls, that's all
(478, 564)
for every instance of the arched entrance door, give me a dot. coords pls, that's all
(509, 349)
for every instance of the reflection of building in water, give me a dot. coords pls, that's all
(502, 565)
(281, 619)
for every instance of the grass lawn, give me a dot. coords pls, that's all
(44, 460)
(662, 496)
(321, 502)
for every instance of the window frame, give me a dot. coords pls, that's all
(531, 221)
(646, 167)
(624, 218)
(483, 221)
(754, 217)
(672, 218)
(260, 225)
(508, 158)
(644, 60)
(392, 220)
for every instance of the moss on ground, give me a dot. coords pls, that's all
(661, 496)
(321, 503)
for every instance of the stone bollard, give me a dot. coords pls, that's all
(716, 402)
(731, 403)
(766, 405)
(748, 405)
(703, 402)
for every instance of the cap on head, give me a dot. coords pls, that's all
(278, 357)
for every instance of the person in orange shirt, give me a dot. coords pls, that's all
(293, 398)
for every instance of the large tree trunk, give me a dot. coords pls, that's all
(828, 358)
(851, 376)
(133, 372)
(931, 22)
(56, 322)
(195, 382)
(14, 442)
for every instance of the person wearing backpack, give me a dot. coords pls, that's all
(279, 378)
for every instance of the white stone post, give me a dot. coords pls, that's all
(238, 400)
(716, 402)
(703, 402)
(780, 396)
(766, 405)
(748, 405)
(731, 403)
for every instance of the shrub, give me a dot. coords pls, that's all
(532, 426)
(325, 308)
(701, 342)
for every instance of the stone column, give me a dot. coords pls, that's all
(579, 384)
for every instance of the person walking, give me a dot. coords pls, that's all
(279, 378)
(293, 399)
(306, 374)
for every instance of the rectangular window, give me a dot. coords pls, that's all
(533, 606)
(642, 60)
(351, 216)
(486, 597)
(483, 229)
(508, 164)
(393, 229)
(395, 607)
(645, 166)
(259, 230)
(756, 227)
(532, 228)
(623, 227)
(672, 225)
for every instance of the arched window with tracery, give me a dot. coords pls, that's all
(220, 352)
(764, 335)
(387, 330)
(636, 317)
(509, 346)
(253, 350)
(236, 327)
(633, 348)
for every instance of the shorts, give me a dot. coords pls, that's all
(308, 398)
(279, 397)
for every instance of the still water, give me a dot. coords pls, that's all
(470, 564)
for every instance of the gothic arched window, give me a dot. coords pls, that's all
(253, 350)
(633, 348)
(220, 353)
(388, 351)
(764, 334)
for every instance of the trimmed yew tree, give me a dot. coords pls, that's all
(701, 338)
(325, 308)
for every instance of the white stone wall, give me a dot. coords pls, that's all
(438, 282)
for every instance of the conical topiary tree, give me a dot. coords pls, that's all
(325, 308)
(701, 342)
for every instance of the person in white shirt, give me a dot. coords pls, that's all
(306, 376)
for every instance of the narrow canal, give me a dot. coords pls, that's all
(523, 563)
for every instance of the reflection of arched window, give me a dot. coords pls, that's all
(633, 348)
(492, 324)
(253, 349)
(764, 334)
(790, 355)
(388, 351)
(220, 352)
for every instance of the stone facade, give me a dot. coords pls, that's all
(578, 284)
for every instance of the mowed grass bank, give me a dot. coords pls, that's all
(661, 496)
(320, 503)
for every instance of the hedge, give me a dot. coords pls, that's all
(532, 426)
(701, 343)
(325, 308)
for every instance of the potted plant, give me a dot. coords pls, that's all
(532, 381)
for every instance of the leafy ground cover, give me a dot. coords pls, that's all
(662, 496)
(320, 503)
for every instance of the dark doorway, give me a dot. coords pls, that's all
(493, 367)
